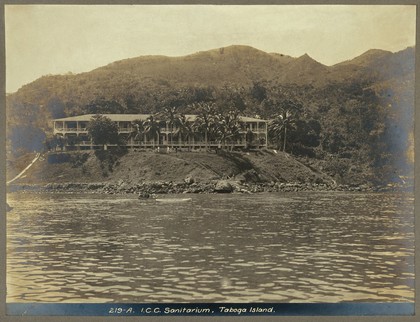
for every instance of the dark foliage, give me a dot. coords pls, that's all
(102, 130)
(24, 138)
(109, 158)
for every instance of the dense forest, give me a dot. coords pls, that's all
(356, 116)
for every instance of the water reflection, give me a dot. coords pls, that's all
(294, 247)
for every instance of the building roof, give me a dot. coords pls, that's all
(143, 117)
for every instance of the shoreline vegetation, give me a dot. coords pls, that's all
(151, 173)
(153, 188)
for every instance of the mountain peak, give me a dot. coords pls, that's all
(371, 52)
(305, 56)
(306, 59)
(242, 50)
(374, 54)
(367, 57)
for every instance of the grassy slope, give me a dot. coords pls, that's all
(16, 165)
(136, 167)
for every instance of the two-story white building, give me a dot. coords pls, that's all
(74, 131)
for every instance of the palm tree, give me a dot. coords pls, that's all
(138, 130)
(235, 126)
(152, 128)
(206, 120)
(281, 123)
(185, 129)
(169, 114)
(229, 127)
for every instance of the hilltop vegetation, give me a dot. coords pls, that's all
(356, 114)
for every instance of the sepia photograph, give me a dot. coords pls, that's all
(209, 160)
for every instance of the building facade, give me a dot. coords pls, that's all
(73, 131)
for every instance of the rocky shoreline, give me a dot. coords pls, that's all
(190, 186)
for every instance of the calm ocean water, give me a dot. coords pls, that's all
(268, 247)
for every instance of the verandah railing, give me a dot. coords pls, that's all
(199, 144)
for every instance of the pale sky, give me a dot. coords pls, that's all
(56, 39)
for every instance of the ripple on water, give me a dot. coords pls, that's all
(257, 248)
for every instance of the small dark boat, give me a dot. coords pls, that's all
(145, 195)
(8, 208)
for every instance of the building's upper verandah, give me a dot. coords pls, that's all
(124, 121)
(143, 117)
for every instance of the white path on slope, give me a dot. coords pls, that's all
(24, 170)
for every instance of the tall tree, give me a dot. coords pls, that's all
(103, 130)
(170, 115)
(229, 127)
(185, 130)
(206, 120)
(152, 128)
(138, 130)
(279, 126)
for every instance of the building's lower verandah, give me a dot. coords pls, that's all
(74, 132)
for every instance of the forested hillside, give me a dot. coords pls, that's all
(354, 116)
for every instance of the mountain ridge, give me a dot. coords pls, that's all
(232, 57)
(145, 84)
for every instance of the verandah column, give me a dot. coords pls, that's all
(77, 136)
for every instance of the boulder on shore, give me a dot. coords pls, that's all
(189, 180)
(223, 186)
